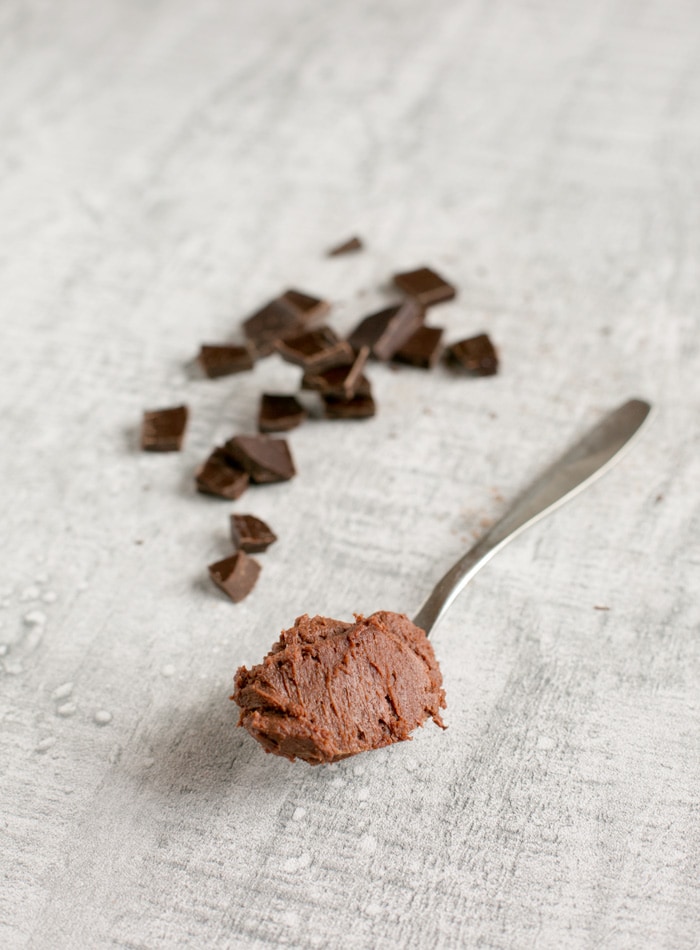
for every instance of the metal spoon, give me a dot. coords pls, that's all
(586, 461)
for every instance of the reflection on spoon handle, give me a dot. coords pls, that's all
(586, 461)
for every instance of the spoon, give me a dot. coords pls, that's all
(578, 468)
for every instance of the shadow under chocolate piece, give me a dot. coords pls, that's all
(282, 317)
(422, 348)
(344, 381)
(251, 534)
(221, 476)
(361, 406)
(425, 285)
(328, 689)
(280, 413)
(476, 356)
(235, 575)
(347, 247)
(224, 360)
(163, 430)
(316, 350)
(264, 459)
(386, 331)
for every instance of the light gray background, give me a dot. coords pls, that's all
(164, 169)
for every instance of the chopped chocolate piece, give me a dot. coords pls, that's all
(316, 349)
(425, 286)
(422, 348)
(476, 355)
(225, 360)
(250, 534)
(385, 332)
(235, 575)
(361, 406)
(222, 477)
(342, 381)
(353, 244)
(163, 430)
(280, 413)
(284, 316)
(266, 460)
(328, 690)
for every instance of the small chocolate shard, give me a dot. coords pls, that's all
(386, 331)
(162, 430)
(361, 406)
(316, 350)
(285, 316)
(341, 381)
(224, 360)
(475, 355)
(280, 413)
(425, 286)
(266, 460)
(235, 575)
(221, 476)
(347, 247)
(422, 348)
(250, 534)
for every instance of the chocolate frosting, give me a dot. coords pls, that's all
(329, 689)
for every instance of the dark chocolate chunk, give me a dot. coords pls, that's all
(329, 689)
(385, 332)
(476, 356)
(163, 430)
(342, 381)
(280, 413)
(422, 348)
(225, 360)
(361, 406)
(316, 349)
(425, 286)
(353, 244)
(235, 575)
(250, 534)
(221, 476)
(284, 316)
(266, 460)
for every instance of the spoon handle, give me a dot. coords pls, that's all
(586, 461)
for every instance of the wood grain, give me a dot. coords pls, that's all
(166, 168)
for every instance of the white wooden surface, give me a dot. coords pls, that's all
(165, 168)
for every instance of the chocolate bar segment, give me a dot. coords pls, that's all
(361, 406)
(422, 348)
(386, 331)
(282, 317)
(476, 356)
(224, 360)
(235, 575)
(162, 430)
(221, 476)
(250, 534)
(342, 381)
(266, 460)
(280, 413)
(425, 285)
(347, 247)
(316, 350)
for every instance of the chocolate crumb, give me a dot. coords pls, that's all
(353, 244)
(316, 350)
(422, 348)
(361, 406)
(343, 381)
(225, 360)
(221, 476)
(386, 331)
(264, 459)
(163, 430)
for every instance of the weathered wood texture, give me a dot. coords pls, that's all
(166, 167)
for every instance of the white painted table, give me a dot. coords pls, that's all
(165, 169)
